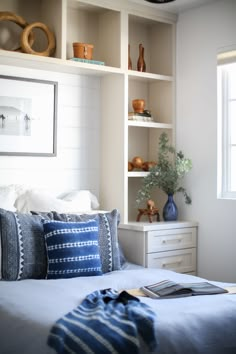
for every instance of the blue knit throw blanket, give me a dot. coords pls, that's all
(106, 322)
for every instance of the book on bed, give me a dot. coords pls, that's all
(168, 289)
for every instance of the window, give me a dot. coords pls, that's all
(226, 80)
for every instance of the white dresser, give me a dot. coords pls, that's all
(166, 245)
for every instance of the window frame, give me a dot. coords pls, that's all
(224, 158)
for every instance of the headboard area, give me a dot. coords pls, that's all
(76, 165)
(21, 198)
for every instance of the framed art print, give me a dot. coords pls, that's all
(28, 116)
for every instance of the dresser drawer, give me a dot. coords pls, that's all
(182, 261)
(167, 240)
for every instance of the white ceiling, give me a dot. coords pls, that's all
(176, 6)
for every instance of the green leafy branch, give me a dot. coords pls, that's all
(167, 174)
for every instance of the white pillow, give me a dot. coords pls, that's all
(8, 197)
(94, 201)
(39, 200)
(81, 196)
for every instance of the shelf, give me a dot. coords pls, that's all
(69, 66)
(132, 123)
(148, 77)
(137, 174)
(55, 64)
(97, 25)
(157, 40)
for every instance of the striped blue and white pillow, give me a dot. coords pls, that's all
(72, 248)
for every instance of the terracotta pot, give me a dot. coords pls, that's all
(138, 105)
(83, 50)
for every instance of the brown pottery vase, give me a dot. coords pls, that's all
(138, 105)
(141, 65)
(129, 59)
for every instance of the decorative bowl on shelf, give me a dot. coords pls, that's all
(137, 162)
(147, 165)
(83, 50)
(130, 166)
(138, 105)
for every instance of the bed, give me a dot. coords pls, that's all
(33, 295)
(200, 324)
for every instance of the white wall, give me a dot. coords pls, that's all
(200, 34)
(76, 165)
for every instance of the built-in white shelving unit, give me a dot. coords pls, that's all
(110, 26)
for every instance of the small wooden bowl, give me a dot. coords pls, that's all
(137, 162)
(83, 50)
(130, 166)
(138, 105)
(147, 165)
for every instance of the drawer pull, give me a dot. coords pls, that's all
(179, 239)
(166, 264)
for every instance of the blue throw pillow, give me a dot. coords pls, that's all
(23, 246)
(108, 236)
(72, 248)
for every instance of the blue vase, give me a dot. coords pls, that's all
(170, 211)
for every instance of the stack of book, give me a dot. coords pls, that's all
(97, 62)
(141, 117)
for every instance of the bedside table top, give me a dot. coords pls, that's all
(162, 225)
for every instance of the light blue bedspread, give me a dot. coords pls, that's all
(189, 325)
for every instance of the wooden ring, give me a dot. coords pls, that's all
(10, 16)
(26, 46)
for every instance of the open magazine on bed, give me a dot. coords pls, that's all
(169, 289)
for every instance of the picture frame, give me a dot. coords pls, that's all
(28, 116)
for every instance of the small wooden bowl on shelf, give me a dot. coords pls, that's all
(130, 166)
(137, 162)
(147, 165)
(83, 50)
(138, 105)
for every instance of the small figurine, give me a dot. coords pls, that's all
(150, 211)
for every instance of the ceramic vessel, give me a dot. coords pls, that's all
(129, 59)
(137, 162)
(138, 105)
(83, 50)
(170, 211)
(141, 65)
